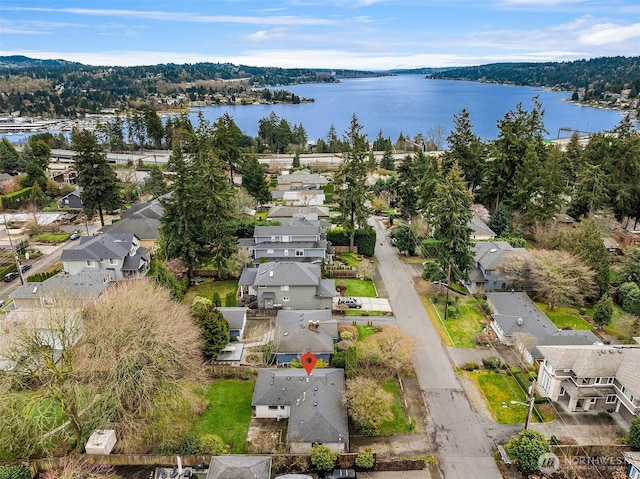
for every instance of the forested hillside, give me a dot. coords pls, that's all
(595, 78)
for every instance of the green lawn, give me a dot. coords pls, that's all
(463, 328)
(209, 287)
(350, 259)
(229, 412)
(499, 390)
(621, 323)
(364, 331)
(564, 317)
(401, 424)
(54, 238)
(358, 288)
(359, 312)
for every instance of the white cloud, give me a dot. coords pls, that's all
(262, 35)
(609, 33)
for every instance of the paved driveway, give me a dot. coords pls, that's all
(370, 304)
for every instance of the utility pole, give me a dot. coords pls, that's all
(531, 403)
(446, 300)
(13, 249)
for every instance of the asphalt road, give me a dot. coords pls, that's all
(458, 435)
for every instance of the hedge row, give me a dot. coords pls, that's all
(365, 239)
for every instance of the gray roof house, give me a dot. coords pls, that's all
(72, 200)
(313, 405)
(83, 287)
(300, 241)
(286, 214)
(237, 319)
(141, 220)
(118, 254)
(516, 317)
(239, 467)
(480, 231)
(592, 377)
(301, 180)
(487, 257)
(302, 331)
(299, 197)
(287, 285)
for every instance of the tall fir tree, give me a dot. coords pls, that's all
(467, 149)
(350, 180)
(408, 182)
(254, 180)
(450, 213)
(99, 182)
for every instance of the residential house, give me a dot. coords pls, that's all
(116, 253)
(517, 320)
(239, 467)
(237, 319)
(632, 458)
(64, 176)
(304, 331)
(300, 241)
(486, 274)
(287, 214)
(299, 197)
(83, 287)
(141, 220)
(72, 200)
(301, 180)
(612, 246)
(287, 285)
(592, 377)
(313, 405)
(480, 231)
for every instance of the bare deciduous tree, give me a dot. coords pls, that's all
(516, 270)
(560, 278)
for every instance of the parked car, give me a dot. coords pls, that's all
(351, 302)
(10, 276)
(25, 267)
(74, 236)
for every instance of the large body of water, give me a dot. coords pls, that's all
(411, 104)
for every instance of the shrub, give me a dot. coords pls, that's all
(527, 447)
(216, 300)
(491, 362)
(470, 366)
(346, 336)
(323, 458)
(212, 444)
(230, 300)
(14, 472)
(365, 459)
(633, 437)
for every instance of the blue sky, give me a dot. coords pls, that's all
(357, 34)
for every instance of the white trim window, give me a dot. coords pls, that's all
(286, 299)
(611, 399)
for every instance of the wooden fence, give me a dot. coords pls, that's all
(345, 249)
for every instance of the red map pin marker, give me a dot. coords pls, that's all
(309, 361)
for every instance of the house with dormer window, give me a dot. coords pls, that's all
(119, 254)
(301, 241)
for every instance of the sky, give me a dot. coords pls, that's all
(351, 34)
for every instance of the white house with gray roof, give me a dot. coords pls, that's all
(286, 285)
(119, 254)
(301, 180)
(300, 241)
(304, 331)
(141, 220)
(487, 258)
(313, 405)
(237, 319)
(517, 320)
(592, 377)
(287, 214)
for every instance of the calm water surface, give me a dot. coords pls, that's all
(412, 104)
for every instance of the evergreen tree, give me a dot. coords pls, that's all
(226, 136)
(39, 152)
(350, 180)
(590, 191)
(388, 162)
(333, 142)
(572, 158)
(450, 213)
(155, 184)
(587, 243)
(296, 160)
(408, 182)
(35, 176)
(500, 220)
(100, 185)
(213, 326)
(467, 149)
(527, 181)
(406, 240)
(10, 160)
(254, 180)
(429, 176)
(603, 311)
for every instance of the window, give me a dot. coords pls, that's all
(634, 473)
(113, 261)
(299, 252)
(284, 287)
(285, 299)
(593, 400)
(611, 398)
(610, 380)
(286, 252)
(585, 380)
(273, 408)
(562, 391)
(545, 382)
(598, 381)
(286, 239)
(627, 394)
(269, 251)
(90, 263)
